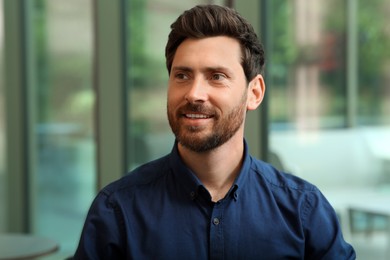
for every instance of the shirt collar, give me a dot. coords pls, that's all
(186, 178)
(242, 177)
(191, 183)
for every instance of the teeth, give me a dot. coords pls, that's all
(196, 116)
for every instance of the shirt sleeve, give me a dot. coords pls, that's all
(101, 236)
(324, 239)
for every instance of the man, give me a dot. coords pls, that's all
(209, 199)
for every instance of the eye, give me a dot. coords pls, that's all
(218, 76)
(181, 76)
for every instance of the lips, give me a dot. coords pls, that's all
(196, 111)
(197, 116)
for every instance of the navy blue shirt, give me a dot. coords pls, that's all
(162, 211)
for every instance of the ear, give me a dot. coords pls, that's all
(256, 90)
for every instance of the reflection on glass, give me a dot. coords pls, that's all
(65, 165)
(148, 26)
(312, 101)
(374, 62)
(3, 198)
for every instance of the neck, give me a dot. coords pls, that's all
(216, 169)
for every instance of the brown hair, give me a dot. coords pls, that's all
(213, 20)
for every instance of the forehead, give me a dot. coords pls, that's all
(213, 51)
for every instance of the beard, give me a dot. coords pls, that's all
(223, 129)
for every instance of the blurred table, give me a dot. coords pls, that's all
(372, 207)
(24, 246)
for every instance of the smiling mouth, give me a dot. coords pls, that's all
(197, 116)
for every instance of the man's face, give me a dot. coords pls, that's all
(207, 93)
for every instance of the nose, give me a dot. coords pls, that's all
(197, 91)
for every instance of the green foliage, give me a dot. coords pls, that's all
(331, 54)
(374, 41)
(374, 53)
(136, 42)
(39, 38)
(284, 50)
(143, 69)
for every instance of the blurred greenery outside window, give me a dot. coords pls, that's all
(322, 55)
(374, 62)
(64, 181)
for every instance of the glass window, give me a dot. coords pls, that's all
(64, 180)
(148, 27)
(329, 107)
(308, 65)
(3, 198)
(373, 63)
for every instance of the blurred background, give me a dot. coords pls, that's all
(83, 97)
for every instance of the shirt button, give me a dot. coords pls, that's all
(216, 221)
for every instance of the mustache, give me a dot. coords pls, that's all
(198, 108)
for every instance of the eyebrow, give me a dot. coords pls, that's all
(182, 68)
(206, 69)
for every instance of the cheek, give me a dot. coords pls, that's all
(173, 101)
(175, 95)
(170, 95)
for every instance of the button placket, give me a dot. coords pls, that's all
(216, 232)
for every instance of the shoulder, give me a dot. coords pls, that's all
(280, 180)
(305, 208)
(289, 190)
(144, 175)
